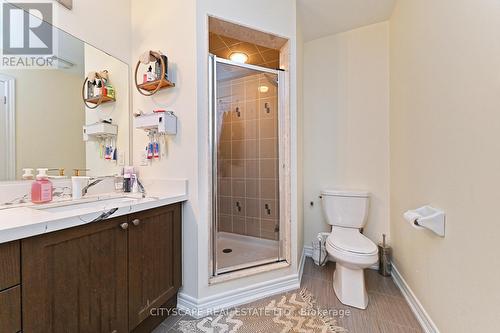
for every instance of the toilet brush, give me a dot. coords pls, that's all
(384, 258)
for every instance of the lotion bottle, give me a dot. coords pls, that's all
(41, 189)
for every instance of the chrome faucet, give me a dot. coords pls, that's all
(20, 200)
(141, 188)
(95, 181)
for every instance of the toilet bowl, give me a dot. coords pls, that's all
(346, 212)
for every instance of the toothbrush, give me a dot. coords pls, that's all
(156, 148)
(115, 150)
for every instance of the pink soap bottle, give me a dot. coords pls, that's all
(41, 189)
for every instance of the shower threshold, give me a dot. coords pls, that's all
(245, 252)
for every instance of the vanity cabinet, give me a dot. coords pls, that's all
(154, 270)
(10, 291)
(104, 276)
(75, 280)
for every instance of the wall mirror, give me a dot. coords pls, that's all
(50, 118)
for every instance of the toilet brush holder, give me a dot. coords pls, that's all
(384, 258)
(320, 255)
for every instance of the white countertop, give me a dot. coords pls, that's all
(31, 220)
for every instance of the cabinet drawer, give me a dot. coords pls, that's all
(10, 310)
(10, 262)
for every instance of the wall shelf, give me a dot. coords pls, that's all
(95, 100)
(99, 131)
(151, 86)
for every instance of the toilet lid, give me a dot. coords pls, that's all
(351, 240)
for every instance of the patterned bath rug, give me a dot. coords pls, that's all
(291, 312)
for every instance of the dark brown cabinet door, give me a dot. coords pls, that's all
(154, 247)
(10, 310)
(75, 280)
(10, 272)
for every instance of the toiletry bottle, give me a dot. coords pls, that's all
(150, 74)
(110, 91)
(90, 89)
(28, 174)
(158, 67)
(41, 189)
(135, 186)
(126, 183)
(128, 171)
(97, 88)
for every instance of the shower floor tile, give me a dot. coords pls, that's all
(236, 251)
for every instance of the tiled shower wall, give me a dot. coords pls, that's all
(248, 189)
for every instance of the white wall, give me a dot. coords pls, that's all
(277, 17)
(103, 24)
(119, 112)
(170, 26)
(445, 139)
(346, 123)
(300, 136)
(187, 49)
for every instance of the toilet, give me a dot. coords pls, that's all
(346, 212)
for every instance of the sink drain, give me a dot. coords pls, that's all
(227, 250)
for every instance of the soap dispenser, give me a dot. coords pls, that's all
(41, 189)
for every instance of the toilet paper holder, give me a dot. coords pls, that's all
(427, 217)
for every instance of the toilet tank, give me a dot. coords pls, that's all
(345, 208)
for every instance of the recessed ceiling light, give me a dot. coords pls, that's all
(263, 89)
(239, 57)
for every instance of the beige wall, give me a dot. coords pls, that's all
(445, 143)
(40, 140)
(346, 123)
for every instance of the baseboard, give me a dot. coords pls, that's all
(422, 316)
(205, 306)
(308, 251)
(301, 265)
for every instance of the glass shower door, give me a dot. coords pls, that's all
(245, 177)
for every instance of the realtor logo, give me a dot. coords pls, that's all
(27, 29)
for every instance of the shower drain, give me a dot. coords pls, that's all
(227, 250)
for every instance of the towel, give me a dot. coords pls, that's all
(92, 76)
(147, 57)
(104, 75)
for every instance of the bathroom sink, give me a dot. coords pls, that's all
(97, 204)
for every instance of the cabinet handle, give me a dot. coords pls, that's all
(136, 222)
(124, 226)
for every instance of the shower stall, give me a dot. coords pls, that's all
(246, 128)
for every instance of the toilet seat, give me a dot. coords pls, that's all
(351, 241)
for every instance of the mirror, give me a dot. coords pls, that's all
(42, 113)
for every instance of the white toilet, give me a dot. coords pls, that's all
(346, 212)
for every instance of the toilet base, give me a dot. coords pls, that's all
(349, 286)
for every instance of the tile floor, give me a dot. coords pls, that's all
(387, 311)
